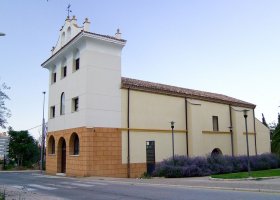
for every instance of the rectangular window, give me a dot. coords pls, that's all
(64, 72)
(215, 123)
(77, 64)
(53, 77)
(52, 112)
(75, 104)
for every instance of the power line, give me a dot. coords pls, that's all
(34, 127)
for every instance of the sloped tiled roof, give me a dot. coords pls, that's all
(182, 92)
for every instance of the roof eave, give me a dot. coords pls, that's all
(86, 34)
(215, 100)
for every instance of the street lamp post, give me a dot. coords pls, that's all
(172, 127)
(231, 135)
(248, 157)
(4, 162)
(43, 135)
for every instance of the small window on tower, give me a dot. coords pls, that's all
(52, 112)
(77, 64)
(75, 104)
(53, 77)
(64, 72)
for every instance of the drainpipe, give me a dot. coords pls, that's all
(128, 135)
(231, 130)
(255, 132)
(187, 136)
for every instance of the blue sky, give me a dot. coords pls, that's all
(230, 47)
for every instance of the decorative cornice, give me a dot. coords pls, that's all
(216, 132)
(153, 130)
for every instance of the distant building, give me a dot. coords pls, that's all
(4, 145)
(103, 124)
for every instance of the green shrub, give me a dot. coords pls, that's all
(218, 164)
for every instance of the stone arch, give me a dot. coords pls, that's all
(51, 145)
(74, 144)
(61, 155)
(216, 152)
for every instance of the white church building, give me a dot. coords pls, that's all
(103, 124)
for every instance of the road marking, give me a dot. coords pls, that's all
(93, 183)
(60, 186)
(23, 188)
(77, 184)
(41, 187)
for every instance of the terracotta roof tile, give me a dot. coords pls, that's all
(182, 92)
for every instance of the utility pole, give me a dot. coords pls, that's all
(43, 135)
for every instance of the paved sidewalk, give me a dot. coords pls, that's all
(264, 185)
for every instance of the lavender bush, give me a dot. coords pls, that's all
(218, 164)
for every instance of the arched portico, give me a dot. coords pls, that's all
(61, 156)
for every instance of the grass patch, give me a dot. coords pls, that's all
(254, 174)
(2, 196)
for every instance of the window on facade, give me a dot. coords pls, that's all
(77, 64)
(64, 72)
(51, 145)
(53, 77)
(76, 145)
(215, 123)
(75, 104)
(62, 104)
(52, 112)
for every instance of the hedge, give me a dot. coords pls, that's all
(203, 166)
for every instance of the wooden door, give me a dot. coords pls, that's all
(63, 157)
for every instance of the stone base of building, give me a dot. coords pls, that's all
(100, 154)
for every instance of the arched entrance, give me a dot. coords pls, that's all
(216, 152)
(61, 157)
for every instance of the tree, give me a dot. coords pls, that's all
(23, 148)
(4, 111)
(275, 144)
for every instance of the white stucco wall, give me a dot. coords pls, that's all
(96, 84)
(239, 136)
(151, 113)
(203, 140)
(73, 85)
(263, 138)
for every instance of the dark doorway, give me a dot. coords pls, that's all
(63, 157)
(150, 156)
(216, 152)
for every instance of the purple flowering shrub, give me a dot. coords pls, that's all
(203, 166)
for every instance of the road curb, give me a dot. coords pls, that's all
(195, 187)
(244, 179)
(20, 171)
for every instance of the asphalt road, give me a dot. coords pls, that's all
(76, 188)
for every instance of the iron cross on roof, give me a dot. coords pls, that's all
(68, 10)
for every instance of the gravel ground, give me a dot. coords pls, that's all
(12, 193)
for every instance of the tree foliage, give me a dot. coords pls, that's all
(23, 148)
(4, 111)
(275, 144)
